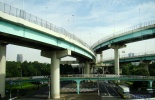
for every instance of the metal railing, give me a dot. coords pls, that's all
(36, 20)
(98, 76)
(142, 54)
(108, 76)
(128, 30)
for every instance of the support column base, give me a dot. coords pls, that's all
(56, 96)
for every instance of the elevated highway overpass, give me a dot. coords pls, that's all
(21, 28)
(147, 56)
(136, 33)
(119, 40)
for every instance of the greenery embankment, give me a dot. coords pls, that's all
(22, 89)
(130, 69)
(28, 69)
(134, 69)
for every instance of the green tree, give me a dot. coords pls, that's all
(152, 69)
(152, 72)
(99, 71)
(111, 70)
(130, 69)
(66, 69)
(139, 70)
(25, 69)
(12, 69)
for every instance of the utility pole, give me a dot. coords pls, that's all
(23, 4)
(49, 85)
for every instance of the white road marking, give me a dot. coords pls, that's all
(106, 89)
(110, 96)
(115, 91)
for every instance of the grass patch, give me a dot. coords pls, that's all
(129, 83)
(22, 90)
(23, 85)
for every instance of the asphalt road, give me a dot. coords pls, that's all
(41, 94)
(108, 91)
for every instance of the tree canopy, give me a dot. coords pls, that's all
(130, 69)
(17, 69)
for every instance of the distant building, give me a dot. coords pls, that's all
(130, 54)
(19, 58)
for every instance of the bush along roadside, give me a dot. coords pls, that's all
(20, 90)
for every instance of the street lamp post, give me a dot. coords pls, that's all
(90, 38)
(21, 77)
(139, 17)
(17, 93)
(73, 19)
(49, 89)
(114, 28)
(23, 5)
(73, 23)
(46, 16)
(10, 88)
(98, 85)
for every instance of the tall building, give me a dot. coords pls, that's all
(19, 58)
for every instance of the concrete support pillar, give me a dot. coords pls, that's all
(90, 69)
(78, 86)
(146, 64)
(82, 70)
(87, 68)
(96, 58)
(120, 70)
(103, 69)
(55, 70)
(116, 55)
(93, 70)
(150, 84)
(106, 69)
(2, 69)
(101, 57)
(116, 51)
(146, 67)
(81, 66)
(55, 76)
(79, 69)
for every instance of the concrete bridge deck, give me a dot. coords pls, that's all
(146, 56)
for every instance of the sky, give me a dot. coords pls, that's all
(90, 20)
